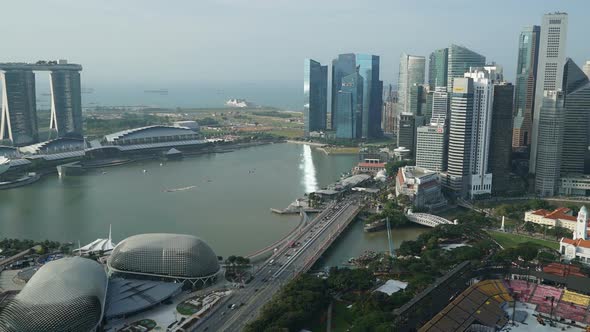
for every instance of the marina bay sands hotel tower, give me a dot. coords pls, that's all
(18, 119)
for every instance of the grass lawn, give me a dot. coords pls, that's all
(510, 240)
(289, 133)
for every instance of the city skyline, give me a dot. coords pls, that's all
(197, 42)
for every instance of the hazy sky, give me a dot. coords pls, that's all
(258, 40)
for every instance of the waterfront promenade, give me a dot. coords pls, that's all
(287, 263)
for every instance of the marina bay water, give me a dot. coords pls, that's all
(229, 205)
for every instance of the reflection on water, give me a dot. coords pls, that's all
(309, 174)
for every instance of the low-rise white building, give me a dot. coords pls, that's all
(575, 185)
(422, 186)
(579, 245)
(562, 217)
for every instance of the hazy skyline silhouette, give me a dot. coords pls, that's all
(265, 40)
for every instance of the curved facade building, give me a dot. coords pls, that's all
(64, 295)
(150, 134)
(175, 256)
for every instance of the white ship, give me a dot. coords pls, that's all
(4, 164)
(239, 103)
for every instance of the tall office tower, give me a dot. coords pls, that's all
(350, 105)
(440, 106)
(587, 69)
(367, 66)
(18, 121)
(460, 135)
(501, 137)
(389, 114)
(548, 163)
(431, 147)
(552, 47)
(576, 120)
(438, 67)
(315, 92)
(470, 132)
(483, 84)
(66, 103)
(411, 72)
(342, 66)
(460, 60)
(406, 131)
(415, 100)
(526, 75)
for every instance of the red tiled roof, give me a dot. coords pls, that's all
(577, 243)
(560, 213)
(563, 270)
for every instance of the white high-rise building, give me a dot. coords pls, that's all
(483, 91)
(431, 146)
(411, 72)
(470, 132)
(552, 48)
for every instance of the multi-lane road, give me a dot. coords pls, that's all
(286, 263)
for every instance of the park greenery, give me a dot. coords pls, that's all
(236, 268)
(99, 127)
(276, 114)
(14, 246)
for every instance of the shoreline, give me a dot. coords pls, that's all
(319, 145)
(40, 173)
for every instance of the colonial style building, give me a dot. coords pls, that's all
(579, 246)
(562, 217)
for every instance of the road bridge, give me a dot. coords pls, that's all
(286, 263)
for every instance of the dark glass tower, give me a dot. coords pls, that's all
(526, 76)
(315, 91)
(350, 105)
(437, 69)
(576, 119)
(367, 66)
(501, 137)
(344, 65)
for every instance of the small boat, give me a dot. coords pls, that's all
(145, 170)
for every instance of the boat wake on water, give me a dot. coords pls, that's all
(171, 190)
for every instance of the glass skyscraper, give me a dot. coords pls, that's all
(526, 75)
(576, 120)
(411, 72)
(548, 165)
(367, 67)
(350, 104)
(460, 60)
(342, 66)
(437, 69)
(315, 92)
(501, 137)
